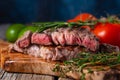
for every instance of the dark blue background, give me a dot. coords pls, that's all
(25, 11)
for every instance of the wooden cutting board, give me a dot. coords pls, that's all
(3, 45)
(18, 62)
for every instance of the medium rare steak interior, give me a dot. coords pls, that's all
(60, 44)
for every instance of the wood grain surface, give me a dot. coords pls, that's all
(19, 76)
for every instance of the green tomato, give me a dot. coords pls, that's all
(28, 28)
(12, 32)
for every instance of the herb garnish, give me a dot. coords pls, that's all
(87, 60)
(46, 25)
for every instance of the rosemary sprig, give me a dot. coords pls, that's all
(88, 60)
(110, 19)
(94, 59)
(54, 25)
(47, 25)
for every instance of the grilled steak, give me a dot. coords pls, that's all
(22, 42)
(63, 37)
(41, 39)
(55, 52)
(60, 53)
(60, 44)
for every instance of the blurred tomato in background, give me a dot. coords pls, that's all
(83, 17)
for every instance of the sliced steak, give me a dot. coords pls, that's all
(41, 39)
(33, 50)
(54, 52)
(54, 36)
(25, 40)
(60, 53)
(88, 39)
(77, 36)
(61, 36)
(60, 44)
(15, 48)
(71, 36)
(22, 42)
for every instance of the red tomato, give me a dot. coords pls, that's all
(108, 33)
(71, 20)
(85, 17)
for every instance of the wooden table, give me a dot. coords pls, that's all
(20, 76)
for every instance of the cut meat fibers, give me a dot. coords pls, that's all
(60, 44)
(41, 39)
(60, 53)
(63, 37)
(54, 53)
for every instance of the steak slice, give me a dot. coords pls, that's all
(21, 43)
(54, 52)
(25, 40)
(62, 37)
(71, 37)
(67, 36)
(88, 39)
(41, 39)
(61, 53)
